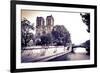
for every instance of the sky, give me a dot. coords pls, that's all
(71, 20)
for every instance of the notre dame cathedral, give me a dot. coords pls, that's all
(44, 27)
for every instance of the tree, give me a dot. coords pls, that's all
(86, 45)
(26, 36)
(45, 40)
(86, 20)
(61, 36)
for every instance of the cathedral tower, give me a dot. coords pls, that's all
(40, 26)
(49, 23)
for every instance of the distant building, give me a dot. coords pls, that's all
(49, 23)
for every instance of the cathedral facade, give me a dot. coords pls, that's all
(44, 27)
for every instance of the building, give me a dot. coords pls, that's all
(41, 28)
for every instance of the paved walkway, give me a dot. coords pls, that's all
(41, 55)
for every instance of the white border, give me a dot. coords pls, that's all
(20, 65)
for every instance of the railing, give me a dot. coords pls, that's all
(41, 47)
